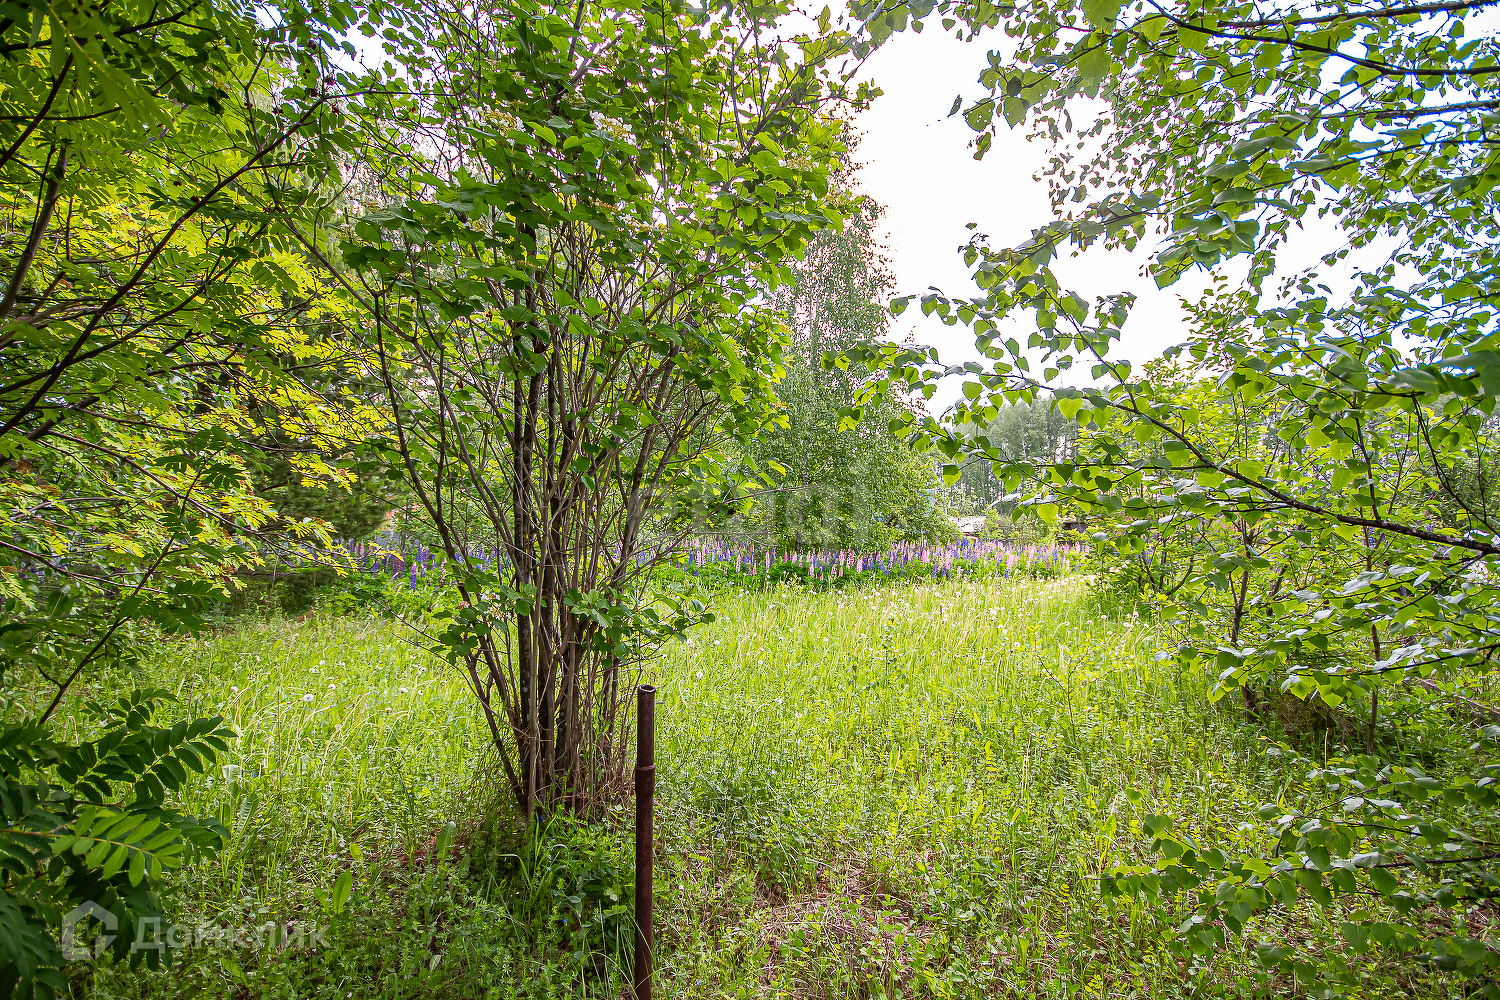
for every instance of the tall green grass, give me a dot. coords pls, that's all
(900, 791)
(351, 736)
(925, 783)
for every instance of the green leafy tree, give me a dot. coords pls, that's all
(560, 278)
(860, 487)
(326, 476)
(150, 304)
(1025, 432)
(1224, 128)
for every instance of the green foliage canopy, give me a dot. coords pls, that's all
(1353, 508)
(155, 314)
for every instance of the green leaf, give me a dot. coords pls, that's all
(341, 890)
(1093, 66)
(1194, 41)
(1101, 14)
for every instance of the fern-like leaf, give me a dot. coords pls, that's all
(152, 762)
(28, 954)
(108, 841)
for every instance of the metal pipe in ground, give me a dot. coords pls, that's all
(645, 811)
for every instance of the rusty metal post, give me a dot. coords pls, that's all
(645, 811)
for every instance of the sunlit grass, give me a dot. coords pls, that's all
(900, 790)
(950, 764)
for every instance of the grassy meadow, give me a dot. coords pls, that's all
(904, 790)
